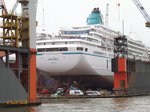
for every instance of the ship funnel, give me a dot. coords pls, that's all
(95, 17)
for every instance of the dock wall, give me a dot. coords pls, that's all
(10, 87)
(139, 80)
(131, 76)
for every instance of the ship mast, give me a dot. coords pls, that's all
(43, 24)
(107, 14)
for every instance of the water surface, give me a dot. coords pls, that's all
(131, 104)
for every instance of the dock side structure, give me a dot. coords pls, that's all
(131, 76)
(18, 55)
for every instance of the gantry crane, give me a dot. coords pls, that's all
(143, 12)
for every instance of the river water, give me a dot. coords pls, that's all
(131, 104)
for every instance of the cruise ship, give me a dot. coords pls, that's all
(84, 53)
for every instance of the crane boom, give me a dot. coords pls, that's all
(14, 8)
(143, 12)
(3, 7)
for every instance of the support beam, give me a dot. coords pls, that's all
(32, 77)
(120, 76)
(7, 58)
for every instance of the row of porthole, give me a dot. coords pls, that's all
(59, 49)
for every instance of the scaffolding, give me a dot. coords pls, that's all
(15, 40)
(15, 31)
(120, 47)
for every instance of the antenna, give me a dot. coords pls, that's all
(118, 11)
(14, 8)
(43, 24)
(123, 27)
(107, 14)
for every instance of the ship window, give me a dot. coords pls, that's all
(40, 44)
(71, 42)
(77, 43)
(52, 49)
(41, 50)
(64, 49)
(58, 43)
(107, 63)
(80, 48)
(48, 49)
(99, 53)
(86, 49)
(48, 43)
(57, 49)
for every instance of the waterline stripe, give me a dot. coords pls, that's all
(39, 54)
(85, 54)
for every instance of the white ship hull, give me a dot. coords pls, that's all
(89, 52)
(74, 63)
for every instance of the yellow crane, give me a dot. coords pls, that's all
(3, 7)
(15, 28)
(143, 12)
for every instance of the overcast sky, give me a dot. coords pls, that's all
(67, 13)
